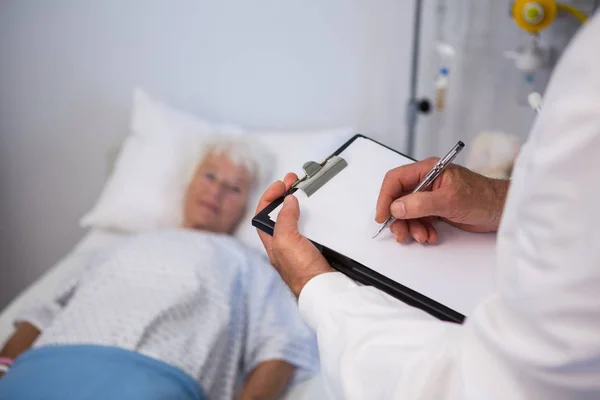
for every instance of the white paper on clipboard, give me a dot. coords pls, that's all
(458, 272)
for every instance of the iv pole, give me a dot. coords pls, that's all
(414, 105)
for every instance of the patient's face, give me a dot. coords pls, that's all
(217, 195)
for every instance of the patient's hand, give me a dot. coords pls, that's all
(295, 258)
(20, 341)
(461, 197)
(268, 380)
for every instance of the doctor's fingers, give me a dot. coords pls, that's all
(442, 202)
(288, 243)
(421, 230)
(287, 220)
(275, 191)
(400, 181)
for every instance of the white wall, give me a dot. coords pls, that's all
(67, 69)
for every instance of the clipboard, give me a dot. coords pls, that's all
(420, 292)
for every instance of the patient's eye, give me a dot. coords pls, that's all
(211, 176)
(236, 189)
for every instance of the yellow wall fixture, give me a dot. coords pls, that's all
(534, 16)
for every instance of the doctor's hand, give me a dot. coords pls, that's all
(460, 196)
(295, 258)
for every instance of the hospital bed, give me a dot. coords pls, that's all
(291, 150)
(44, 287)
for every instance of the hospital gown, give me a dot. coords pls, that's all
(201, 302)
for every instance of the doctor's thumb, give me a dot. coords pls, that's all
(418, 205)
(289, 214)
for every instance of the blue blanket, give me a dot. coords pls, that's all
(95, 372)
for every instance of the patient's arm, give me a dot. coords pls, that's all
(20, 341)
(268, 380)
(36, 318)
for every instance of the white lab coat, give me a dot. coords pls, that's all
(538, 337)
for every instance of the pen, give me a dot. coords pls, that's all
(431, 176)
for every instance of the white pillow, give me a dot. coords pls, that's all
(145, 189)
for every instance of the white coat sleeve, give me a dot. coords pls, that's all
(538, 337)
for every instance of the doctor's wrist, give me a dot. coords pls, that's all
(298, 282)
(500, 191)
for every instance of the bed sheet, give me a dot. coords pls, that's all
(43, 288)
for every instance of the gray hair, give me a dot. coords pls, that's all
(242, 151)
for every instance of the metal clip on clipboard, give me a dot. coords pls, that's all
(318, 174)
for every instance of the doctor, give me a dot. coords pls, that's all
(538, 337)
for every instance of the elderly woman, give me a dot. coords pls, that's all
(180, 314)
